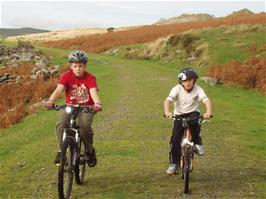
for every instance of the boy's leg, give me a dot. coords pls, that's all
(85, 122)
(175, 146)
(195, 131)
(195, 128)
(60, 125)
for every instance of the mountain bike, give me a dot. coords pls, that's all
(72, 156)
(187, 149)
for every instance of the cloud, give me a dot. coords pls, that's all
(55, 15)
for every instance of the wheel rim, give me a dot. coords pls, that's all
(68, 174)
(82, 163)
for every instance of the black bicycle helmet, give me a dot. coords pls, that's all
(187, 74)
(78, 56)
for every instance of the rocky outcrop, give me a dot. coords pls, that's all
(242, 12)
(42, 70)
(25, 52)
(6, 78)
(184, 18)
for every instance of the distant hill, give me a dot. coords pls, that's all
(242, 12)
(7, 32)
(184, 18)
(65, 34)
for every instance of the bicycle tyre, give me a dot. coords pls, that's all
(186, 176)
(80, 167)
(65, 171)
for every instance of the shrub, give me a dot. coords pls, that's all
(250, 74)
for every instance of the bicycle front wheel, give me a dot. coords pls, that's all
(80, 167)
(186, 168)
(66, 170)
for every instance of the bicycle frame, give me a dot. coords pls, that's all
(187, 151)
(73, 127)
(187, 147)
(71, 142)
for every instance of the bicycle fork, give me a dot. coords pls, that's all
(75, 139)
(187, 150)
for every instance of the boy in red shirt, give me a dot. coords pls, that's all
(80, 87)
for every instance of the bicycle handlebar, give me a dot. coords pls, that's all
(174, 117)
(189, 118)
(76, 107)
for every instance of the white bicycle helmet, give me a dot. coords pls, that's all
(78, 56)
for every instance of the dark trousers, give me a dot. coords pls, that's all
(177, 135)
(84, 122)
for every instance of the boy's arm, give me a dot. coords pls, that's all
(57, 92)
(208, 105)
(55, 95)
(96, 99)
(95, 96)
(167, 112)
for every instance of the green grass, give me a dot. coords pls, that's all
(131, 138)
(8, 43)
(226, 44)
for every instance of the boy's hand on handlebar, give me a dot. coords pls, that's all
(168, 115)
(49, 104)
(207, 116)
(96, 108)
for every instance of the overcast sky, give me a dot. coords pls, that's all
(57, 15)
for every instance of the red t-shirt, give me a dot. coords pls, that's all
(77, 88)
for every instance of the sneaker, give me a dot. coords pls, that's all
(199, 149)
(57, 158)
(91, 158)
(172, 169)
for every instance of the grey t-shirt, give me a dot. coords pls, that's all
(185, 102)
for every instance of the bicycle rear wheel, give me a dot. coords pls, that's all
(65, 171)
(80, 167)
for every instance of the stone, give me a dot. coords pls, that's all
(209, 80)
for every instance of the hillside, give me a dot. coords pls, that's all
(64, 34)
(205, 48)
(8, 32)
(201, 47)
(103, 42)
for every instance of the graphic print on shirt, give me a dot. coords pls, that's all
(79, 93)
(196, 98)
